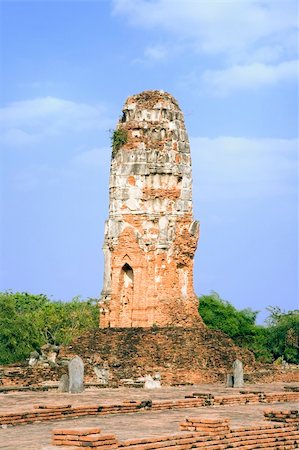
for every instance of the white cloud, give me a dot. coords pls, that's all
(16, 137)
(252, 76)
(214, 27)
(237, 167)
(37, 84)
(82, 166)
(28, 121)
(255, 41)
(157, 52)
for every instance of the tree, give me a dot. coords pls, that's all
(28, 321)
(60, 322)
(240, 325)
(19, 334)
(283, 338)
(222, 315)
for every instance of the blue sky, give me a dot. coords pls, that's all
(66, 70)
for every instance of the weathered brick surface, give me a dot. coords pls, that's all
(286, 416)
(52, 412)
(150, 236)
(88, 438)
(200, 346)
(205, 433)
(148, 424)
(191, 355)
(24, 376)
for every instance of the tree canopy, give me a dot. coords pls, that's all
(284, 333)
(28, 321)
(278, 339)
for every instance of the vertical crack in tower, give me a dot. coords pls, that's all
(150, 236)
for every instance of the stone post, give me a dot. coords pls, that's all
(238, 374)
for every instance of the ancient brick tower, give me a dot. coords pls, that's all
(150, 236)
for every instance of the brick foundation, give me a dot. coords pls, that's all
(54, 412)
(195, 433)
(190, 355)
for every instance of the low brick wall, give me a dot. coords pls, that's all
(282, 416)
(212, 427)
(84, 437)
(213, 434)
(54, 411)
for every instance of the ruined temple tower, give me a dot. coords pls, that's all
(150, 235)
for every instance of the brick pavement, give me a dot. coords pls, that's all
(23, 400)
(132, 425)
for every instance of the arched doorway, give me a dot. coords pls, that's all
(126, 295)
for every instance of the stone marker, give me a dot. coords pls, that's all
(76, 375)
(150, 383)
(64, 383)
(102, 374)
(238, 374)
(34, 358)
(49, 353)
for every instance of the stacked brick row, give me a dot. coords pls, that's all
(291, 388)
(184, 403)
(245, 398)
(182, 441)
(206, 434)
(265, 436)
(88, 438)
(282, 416)
(207, 426)
(53, 412)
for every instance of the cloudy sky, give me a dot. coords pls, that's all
(67, 68)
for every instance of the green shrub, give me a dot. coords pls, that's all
(119, 137)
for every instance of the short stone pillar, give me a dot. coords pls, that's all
(34, 358)
(63, 385)
(76, 375)
(102, 374)
(238, 374)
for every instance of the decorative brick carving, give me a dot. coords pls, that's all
(150, 236)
